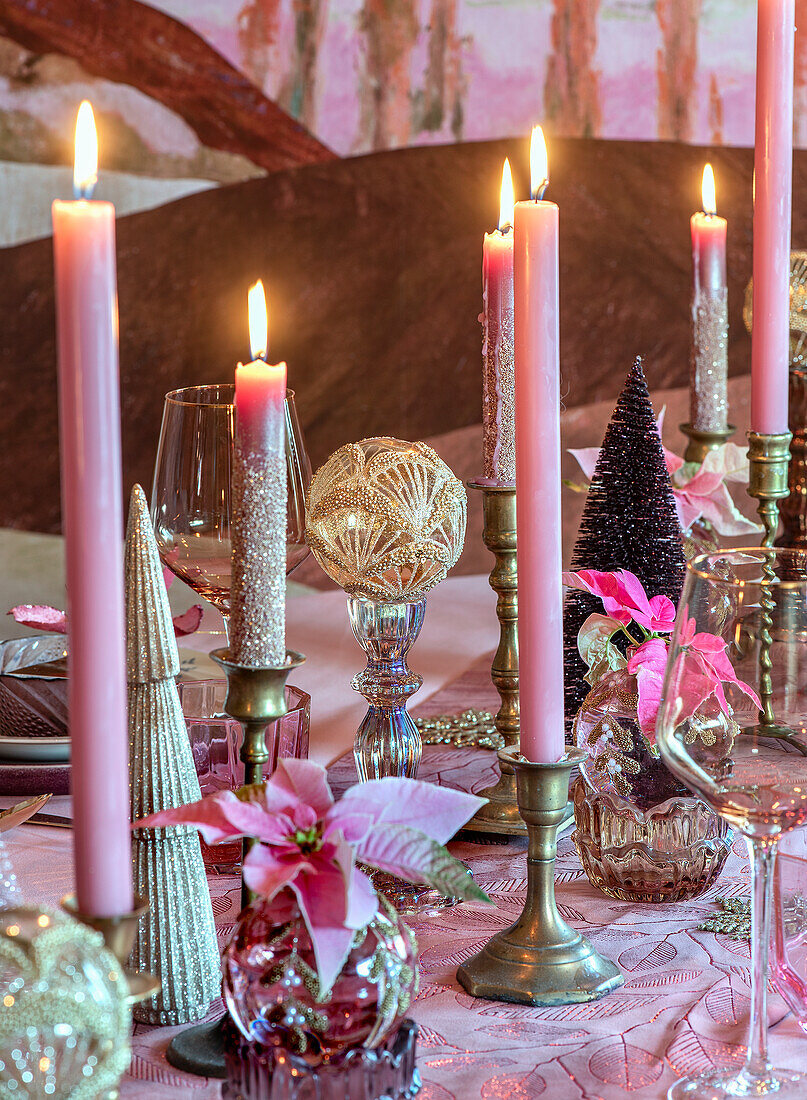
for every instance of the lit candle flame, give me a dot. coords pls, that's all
(85, 164)
(508, 198)
(708, 191)
(258, 321)
(539, 163)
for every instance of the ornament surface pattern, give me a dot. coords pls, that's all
(386, 518)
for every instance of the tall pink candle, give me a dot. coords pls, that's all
(498, 426)
(258, 595)
(773, 172)
(537, 415)
(708, 401)
(92, 516)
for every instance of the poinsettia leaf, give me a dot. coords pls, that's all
(595, 647)
(411, 855)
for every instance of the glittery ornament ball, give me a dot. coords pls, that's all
(386, 518)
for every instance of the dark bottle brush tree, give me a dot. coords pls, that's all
(629, 522)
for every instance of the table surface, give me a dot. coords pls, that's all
(683, 1007)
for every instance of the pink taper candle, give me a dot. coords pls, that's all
(537, 363)
(92, 517)
(773, 172)
(708, 401)
(498, 427)
(258, 595)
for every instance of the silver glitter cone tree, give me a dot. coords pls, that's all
(177, 939)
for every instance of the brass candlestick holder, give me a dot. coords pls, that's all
(119, 936)
(769, 458)
(701, 442)
(255, 697)
(500, 813)
(540, 960)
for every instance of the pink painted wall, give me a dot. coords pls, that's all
(364, 74)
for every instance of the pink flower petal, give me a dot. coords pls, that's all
(188, 621)
(209, 816)
(40, 617)
(439, 812)
(304, 782)
(266, 873)
(587, 459)
(362, 900)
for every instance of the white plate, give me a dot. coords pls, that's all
(35, 750)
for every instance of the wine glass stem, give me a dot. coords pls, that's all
(762, 851)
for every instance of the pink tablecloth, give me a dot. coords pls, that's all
(684, 1004)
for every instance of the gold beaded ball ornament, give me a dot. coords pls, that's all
(386, 518)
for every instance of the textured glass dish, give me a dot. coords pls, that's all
(270, 984)
(388, 1072)
(216, 744)
(670, 852)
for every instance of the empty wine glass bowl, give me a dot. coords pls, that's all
(190, 497)
(738, 652)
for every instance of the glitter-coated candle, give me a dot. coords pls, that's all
(708, 402)
(498, 376)
(773, 182)
(258, 593)
(92, 514)
(537, 343)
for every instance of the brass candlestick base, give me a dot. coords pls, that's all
(769, 458)
(500, 813)
(701, 442)
(540, 960)
(255, 697)
(119, 936)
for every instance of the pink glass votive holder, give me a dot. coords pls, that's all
(216, 744)
(789, 934)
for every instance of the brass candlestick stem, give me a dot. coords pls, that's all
(540, 960)
(769, 458)
(119, 936)
(701, 442)
(255, 697)
(500, 813)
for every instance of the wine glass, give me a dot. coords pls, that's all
(190, 497)
(739, 650)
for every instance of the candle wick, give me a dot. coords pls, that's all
(84, 190)
(505, 229)
(540, 190)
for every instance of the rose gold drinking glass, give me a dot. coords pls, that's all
(190, 496)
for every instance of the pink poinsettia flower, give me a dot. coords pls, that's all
(702, 668)
(309, 844)
(624, 598)
(700, 492)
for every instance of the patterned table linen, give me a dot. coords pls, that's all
(683, 1007)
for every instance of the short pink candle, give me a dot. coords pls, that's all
(258, 595)
(708, 401)
(537, 368)
(773, 173)
(498, 425)
(92, 517)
